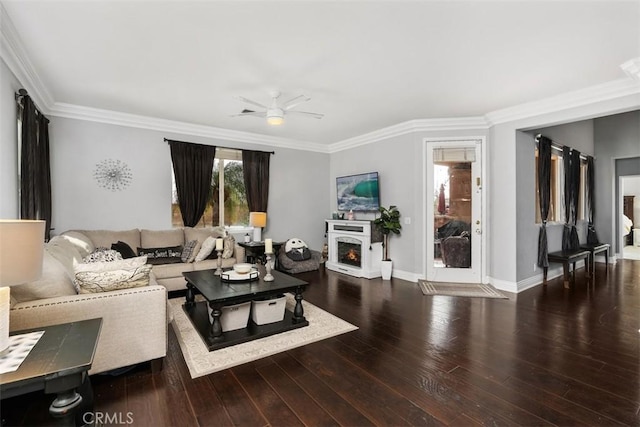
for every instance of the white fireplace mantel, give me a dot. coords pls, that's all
(353, 231)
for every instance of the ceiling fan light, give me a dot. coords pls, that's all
(275, 120)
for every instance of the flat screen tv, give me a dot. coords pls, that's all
(358, 193)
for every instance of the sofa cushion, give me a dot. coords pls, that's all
(161, 238)
(125, 250)
(106, 238)
(54, 282)
(163, 271)
(81, 241)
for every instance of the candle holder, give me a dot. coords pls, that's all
(268, 277)
(218, 271)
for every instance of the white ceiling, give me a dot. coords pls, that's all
(365, 64)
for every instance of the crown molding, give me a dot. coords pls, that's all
(579, 98)
(16, 58)
(71, 111)
(411, 126)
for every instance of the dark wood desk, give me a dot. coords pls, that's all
(219, 293)
(58, 364)
(255, 250)
(567, 258)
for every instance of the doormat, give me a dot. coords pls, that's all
(201, 361)
(472, 290)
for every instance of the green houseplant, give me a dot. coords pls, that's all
(387, 223)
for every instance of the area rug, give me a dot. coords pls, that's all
(473, 290)
(200, 361)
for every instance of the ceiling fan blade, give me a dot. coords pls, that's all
(306, 113)
(295, 101)
(248, 101)
(251, 113)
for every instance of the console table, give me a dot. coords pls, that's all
(58, 364)
(255, 250)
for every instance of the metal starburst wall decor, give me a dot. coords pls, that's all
(113, 175)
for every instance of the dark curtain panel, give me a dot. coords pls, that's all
(544, 192)
(35, 168)
(255, 167)
(592, 236)
(571, 163)
(192, 167)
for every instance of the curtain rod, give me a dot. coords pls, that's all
(217, 146)
(558, 147)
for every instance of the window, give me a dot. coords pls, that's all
(227, 198)
(556, 202)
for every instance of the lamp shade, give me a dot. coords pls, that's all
(258, 219)
(21, 250)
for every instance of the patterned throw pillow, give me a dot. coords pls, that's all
(109, 276)
(229, 244)
(190, 251)
(155, 253)
(104, 281)
(102, 255)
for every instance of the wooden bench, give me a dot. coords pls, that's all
(566, 258)
(596, 249)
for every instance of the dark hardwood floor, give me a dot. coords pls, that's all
(547, 356)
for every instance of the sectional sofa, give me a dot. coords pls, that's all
(135, 319)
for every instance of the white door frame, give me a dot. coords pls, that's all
(428, 205)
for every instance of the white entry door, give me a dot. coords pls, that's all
(454, 210)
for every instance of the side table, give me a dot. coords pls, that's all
(58, 364)
(255, 250)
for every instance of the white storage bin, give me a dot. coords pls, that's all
(233, 316)
(268, 311)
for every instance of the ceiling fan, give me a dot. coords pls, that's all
(275, 112)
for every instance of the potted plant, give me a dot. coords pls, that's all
(387, 223)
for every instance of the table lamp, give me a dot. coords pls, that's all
(257, 220)
(21, 251)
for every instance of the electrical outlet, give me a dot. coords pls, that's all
(535, 267)
(407, 220)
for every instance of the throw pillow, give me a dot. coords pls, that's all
(105, 281)
(206, 249)
(83, 243)
(229, 244)
(124, 264)
(102, 255)
(189, 250)
(125, 250)
(195, 251)
(155, 253)
(297, 250)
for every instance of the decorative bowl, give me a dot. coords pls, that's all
(242, 268)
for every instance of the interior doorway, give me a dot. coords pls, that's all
(629, 221)
(453, 197)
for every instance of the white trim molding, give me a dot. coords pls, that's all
(632, 68)
(16, 58)
(72, 111)
(579, 98)
(411, 126)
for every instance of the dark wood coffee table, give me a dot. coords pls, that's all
(58, 364)
(219, 293)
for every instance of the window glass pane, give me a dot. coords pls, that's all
(227, 203)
